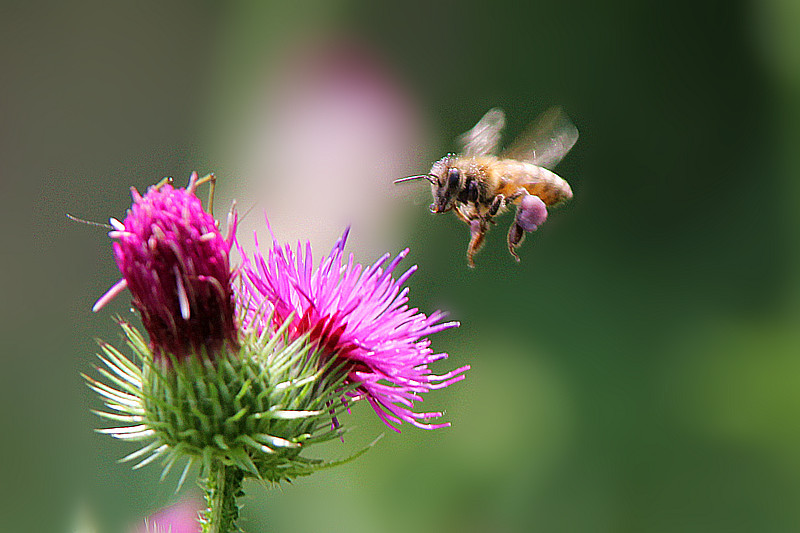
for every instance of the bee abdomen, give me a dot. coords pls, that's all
(546, 184)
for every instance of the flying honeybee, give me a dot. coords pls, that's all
(478, 184)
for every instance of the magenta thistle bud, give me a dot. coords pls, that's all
(357, 315)
(174, 261)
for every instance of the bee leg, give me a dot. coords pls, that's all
(497, 203)
(531, 214)
(460, 214)
(478, 227)
(515, 236)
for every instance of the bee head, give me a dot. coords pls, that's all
(446, 182)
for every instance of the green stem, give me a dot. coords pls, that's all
(222, 487)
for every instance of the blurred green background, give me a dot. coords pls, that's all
(638, 371)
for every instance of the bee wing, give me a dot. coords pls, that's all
(546, 141)
(484, 137)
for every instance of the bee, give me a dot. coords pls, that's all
(477, 184)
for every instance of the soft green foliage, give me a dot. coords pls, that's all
(256, 409)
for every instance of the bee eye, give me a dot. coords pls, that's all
(453, 178)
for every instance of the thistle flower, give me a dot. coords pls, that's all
(238, 401)
(358, 318)
(174, 261)
(256, 409)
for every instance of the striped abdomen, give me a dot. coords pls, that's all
(539, 181)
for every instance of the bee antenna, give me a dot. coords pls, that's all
(429, 177)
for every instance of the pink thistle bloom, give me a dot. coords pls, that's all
(174, 261)
(356, 314)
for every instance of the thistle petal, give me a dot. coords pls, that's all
(357, 316)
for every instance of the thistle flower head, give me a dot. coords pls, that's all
(357, 316)
(257, 408)
(205, 388)
(174, 261)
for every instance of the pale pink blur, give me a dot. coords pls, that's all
(333, 129)
(181, 517)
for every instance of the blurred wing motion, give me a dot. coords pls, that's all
(484, 138)
(546, 141)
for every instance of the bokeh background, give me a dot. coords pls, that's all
(638, 371)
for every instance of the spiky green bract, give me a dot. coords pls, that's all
(256, 409)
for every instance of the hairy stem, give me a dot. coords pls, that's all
(223, 486)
